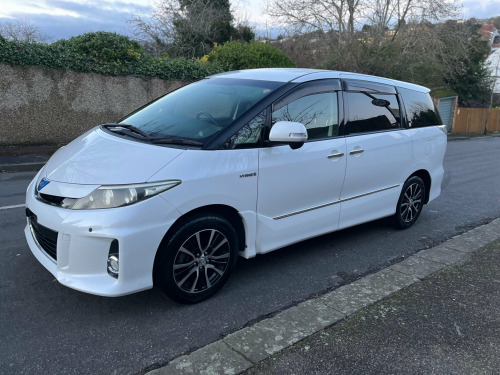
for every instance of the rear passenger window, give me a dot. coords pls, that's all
(420, 109)
(369, 112)
(318, 112)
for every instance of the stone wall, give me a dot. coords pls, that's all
(47, 106)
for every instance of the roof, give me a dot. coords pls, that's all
(269, 74)
(299, 75)
(487, 31)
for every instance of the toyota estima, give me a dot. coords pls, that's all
(237, 164)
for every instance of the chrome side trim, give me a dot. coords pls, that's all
(372, 192)
(306, 210)
(332, 203)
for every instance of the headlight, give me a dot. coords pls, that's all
(119, 195)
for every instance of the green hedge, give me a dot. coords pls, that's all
(236, 55)
(118, 55)
(62, 55)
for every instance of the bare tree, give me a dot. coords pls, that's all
(338, 23)
(332, 24)
(306, 16)
(158, 29)
(242, 31)
(394, 14)
(22, 31)
(307, 51)
(343, 16)
(185, 27)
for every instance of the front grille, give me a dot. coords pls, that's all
(51, 199)
(55, 200)
(45, 237)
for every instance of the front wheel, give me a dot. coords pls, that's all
(198, 259)
(410, 203)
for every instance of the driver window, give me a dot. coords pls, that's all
(249, 135)
(318, 112)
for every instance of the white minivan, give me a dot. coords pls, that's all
(238, 164)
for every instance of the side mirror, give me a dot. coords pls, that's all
(288, 132)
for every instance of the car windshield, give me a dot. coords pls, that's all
(200, 110)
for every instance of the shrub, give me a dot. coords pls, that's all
(104, 46)
(235, 55)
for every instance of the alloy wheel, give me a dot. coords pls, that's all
(411, 203)
(201, 261)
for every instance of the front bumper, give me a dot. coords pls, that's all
(84, 238)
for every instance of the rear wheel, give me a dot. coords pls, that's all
(410, 203)
(198, 259)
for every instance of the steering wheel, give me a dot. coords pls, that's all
(199, 115)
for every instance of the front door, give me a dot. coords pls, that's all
(299, 190)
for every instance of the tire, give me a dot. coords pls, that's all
(197, 259)
(410, 203)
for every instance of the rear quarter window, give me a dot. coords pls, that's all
(420, 109)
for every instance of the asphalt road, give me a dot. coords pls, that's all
(50, 329)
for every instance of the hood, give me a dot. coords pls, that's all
(98, 158)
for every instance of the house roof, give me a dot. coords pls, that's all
(488, 32)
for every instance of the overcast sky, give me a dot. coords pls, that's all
(65, 18)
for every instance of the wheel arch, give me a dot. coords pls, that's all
(228, 212)
(426, 177)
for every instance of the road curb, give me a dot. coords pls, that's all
(243, 349)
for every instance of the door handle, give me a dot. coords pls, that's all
(356, 151)
(336, 155)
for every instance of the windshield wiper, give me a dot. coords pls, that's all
(162, 140)
(175, 141)
(131, 128)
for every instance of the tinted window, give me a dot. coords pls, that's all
(370, 112)
(249, 135)
(420, 109)
(318, 113)
(200, 110)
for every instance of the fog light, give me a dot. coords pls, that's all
(113, 265)
(113, 260)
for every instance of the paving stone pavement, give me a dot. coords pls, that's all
(448, 324)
